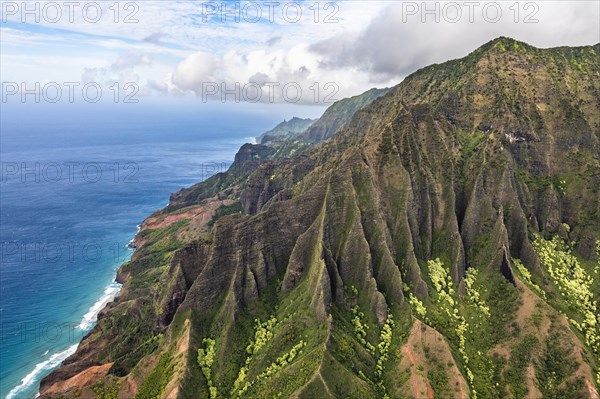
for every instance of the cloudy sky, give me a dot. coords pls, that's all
(272, 50)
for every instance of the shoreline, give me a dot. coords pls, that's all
(54, 359)
(88, 321)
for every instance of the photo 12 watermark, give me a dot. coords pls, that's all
(469, 11)
(50, 333)
(291, 12)
(268, 92)
(64, 253)
(209, 169)
(55, 12)
(55, 92)
(68, 172)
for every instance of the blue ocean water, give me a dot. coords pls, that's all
(74, 187)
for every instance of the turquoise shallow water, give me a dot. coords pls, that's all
(70, 201)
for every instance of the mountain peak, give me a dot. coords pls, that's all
(285, 129)
(501, 45)
(506, 44)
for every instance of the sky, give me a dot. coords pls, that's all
(309, 53)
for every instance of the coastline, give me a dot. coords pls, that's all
(82, 295)
(89, 319)
(52, 359)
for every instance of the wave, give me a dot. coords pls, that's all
(40, 368)
(43, 368)
(56, 359)
(251, 140)
(130, 243)
(92, 315)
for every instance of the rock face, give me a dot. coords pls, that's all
(285, 130)
(339, 115)
(433, 202)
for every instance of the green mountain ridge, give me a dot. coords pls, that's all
(285, 130)
(439, 239)
(339, 115)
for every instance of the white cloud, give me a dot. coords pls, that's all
(194, 70)
(405, 37)
(373, 44)
(284, 75)
(381, 46)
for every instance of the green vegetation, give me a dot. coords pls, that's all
(437, 375)
(285, 130)
(282, 361)
(385, 341)
(279, 364)
(262, 336)
(206, 357)
(526, 276)
(154, 385)
(472, 292)
(104, 390)
(360, 329)
(555, 368)
(447, 316)
(469, 142)
(575, 286)
(225, 210)
(520, 359)
(417, 306)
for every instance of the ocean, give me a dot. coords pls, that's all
(76, 182)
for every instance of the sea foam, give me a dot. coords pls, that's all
(56, 359)
(92, 315)
(39, 368)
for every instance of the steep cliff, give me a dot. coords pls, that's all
(285, 130)
(339, 115)
(444, 243)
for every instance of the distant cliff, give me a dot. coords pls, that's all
(339, 115)
(285, 130)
